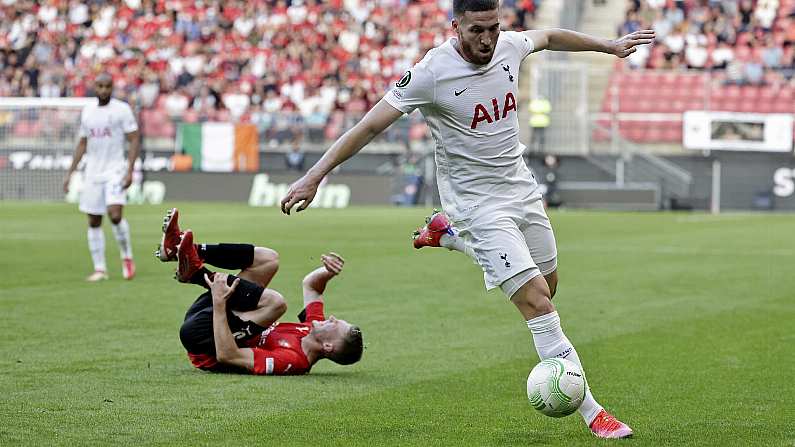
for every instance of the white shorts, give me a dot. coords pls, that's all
(510, 240)
(97, 195)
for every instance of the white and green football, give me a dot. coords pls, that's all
(556, 387)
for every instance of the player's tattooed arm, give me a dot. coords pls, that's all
(134, 140)
(315, 282)
(567, 40)
(79, 152)
(303, 191)
(226, 350)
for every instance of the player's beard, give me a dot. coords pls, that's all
(472, 52)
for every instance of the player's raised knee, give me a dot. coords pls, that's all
(274, 301)
(266, 258)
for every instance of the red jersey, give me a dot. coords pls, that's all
(277, 350)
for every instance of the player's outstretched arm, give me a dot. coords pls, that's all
(226, 350)
(567, 40)
(315, 281)
(79, 152)
(381, 116)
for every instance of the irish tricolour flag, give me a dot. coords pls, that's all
(220, 147)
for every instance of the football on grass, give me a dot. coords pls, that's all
(556, 387)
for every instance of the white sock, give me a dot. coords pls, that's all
(550, 341)
(122, 233)
(96, 245)
(453, 242)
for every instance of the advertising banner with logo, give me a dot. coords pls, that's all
(737, 131)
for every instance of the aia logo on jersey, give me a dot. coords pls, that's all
(99, 132)
(482, 113)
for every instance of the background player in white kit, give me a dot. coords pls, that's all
(103, 129)
(466, 89)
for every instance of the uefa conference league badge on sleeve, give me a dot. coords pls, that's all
(404, 81)
(401, 83)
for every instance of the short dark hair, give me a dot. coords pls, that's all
(351, 350)
(462, 6)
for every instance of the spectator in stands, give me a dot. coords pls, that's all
(551, 195)
(149, 90)
(788, 63)
(205, 101)
(662, 26)
(273, 102)
(48, 87)
(409, 178)
(237, 101)
(722, 55)
(696, 55)
(631, 24)
(295, 158)
(772, 54)
(735, 72)
(675, 42)
(176, 103)
(639, 58)
(711, 34)
(754, 72)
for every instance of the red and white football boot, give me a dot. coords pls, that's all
(188, 258)
(605, 425)
(167, 251)
(128, 268)
(436, 225)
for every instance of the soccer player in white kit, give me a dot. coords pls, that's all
(104, 127)
(466, 89)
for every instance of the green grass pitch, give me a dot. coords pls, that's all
(685, 324)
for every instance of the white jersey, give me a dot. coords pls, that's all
(471, 111)
(104, 128)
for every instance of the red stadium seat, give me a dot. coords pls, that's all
(694, 104)
(750, 92)
(747, 106)
(671, 135)
(731, 91)
(781, 106)
(768, 92)
(653, 134)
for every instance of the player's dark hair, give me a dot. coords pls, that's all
(351, 350)
(462, 6)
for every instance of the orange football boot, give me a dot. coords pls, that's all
(605, 425)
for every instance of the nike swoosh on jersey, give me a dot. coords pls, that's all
(458, 93)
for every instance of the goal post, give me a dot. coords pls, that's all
(37, 141)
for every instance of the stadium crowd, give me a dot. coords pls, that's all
(719, 55)
(316, 63)
(751, 41)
